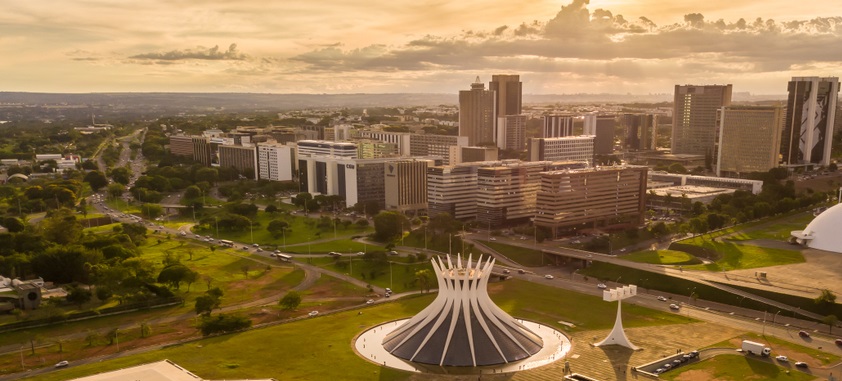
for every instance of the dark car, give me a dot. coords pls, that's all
(838, 341)
(801, 364)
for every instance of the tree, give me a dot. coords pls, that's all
(826, 298)
(277, 227)
(174, 274)
(677, 168)
(245, 269)
(79, 295)
(831, 321)
(191, 276)
(121, 175)
(96, 180)
(209, 175)
(388, 226)
(151, 211)
(271, 209)
(192, 192)
(205, 304)
(290, 301)
(145, 329)
(91, 337)
(223, 323)
(115, 190)
(423, 279)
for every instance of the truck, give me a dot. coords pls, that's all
(755, 348)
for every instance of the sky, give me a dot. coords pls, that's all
(412, 46)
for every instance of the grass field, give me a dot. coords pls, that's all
(402, 273)
(662, 257)
(523, 256)
(779, 230)
(320, 348)
(734, 368)
(736, 256)
(301, 229)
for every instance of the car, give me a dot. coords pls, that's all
(803, 333)
(662, 298)
(492, 239)
(601, 286)
(506, 271)
(393, 252)
(255, 245)
(675, 307)
(369, 301)
(388, 295)
(801, 364)
(523, 237)
(360, 253)
(183, 234)
(694, 353)
(245, 247)
(313, 313)
(273, 255)
(62, 364)
(782, 358)
(548, 276)
(277, 252)
(676, 362)
(686, 357)
(576, 242)
(659, 371)
(838, 341)
(388, 290)
(521, 271)
(667, 366)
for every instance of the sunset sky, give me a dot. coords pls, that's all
(384, 46)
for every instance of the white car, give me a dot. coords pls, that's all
(548, 276)
(369, 301)
(675, 307)
(601, 286)
(493, 239)
(313, 313)
(662, 298)
(782, 358)
(62, 364)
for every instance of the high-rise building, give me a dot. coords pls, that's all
(570, 148)
(453, 190)
(694, 117)
(181, 145)
(590, 198)
(406, 184)
(508, 93)
(810, 115)
(602, 128)
(558, 126)
(477, 114)
(446, 146)
(511, 132)
(321, 147)
(202, 151)
(242, 158)
(506, 192)
(641, 131)
(475, 154)
(275, 162)
(749, 139)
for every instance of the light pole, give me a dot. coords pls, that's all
(284, 232)
(775, 317)
(690, 297)
(21, 358)
(251, 231)
(216, 221)
(618, 279)
(390, 276)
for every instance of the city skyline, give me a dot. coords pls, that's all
(557, 47)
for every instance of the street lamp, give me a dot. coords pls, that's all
(690, 297)
(775, 317)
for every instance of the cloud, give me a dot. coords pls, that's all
(200, 53)
(577, 41)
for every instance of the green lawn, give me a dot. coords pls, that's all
(662, 257)
(736, 256)
(320, 348)
(737, 368)
(778, 230)
(523, 256)
(301, 229)
(402, 273)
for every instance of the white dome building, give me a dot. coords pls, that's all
(824, 232)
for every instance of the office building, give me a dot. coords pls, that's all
(558, 126)
(241, 158)
(202, 151)
(373, 149)
(399, 139)
(446, 146)
(477, 114)
(591, 198)
(506, 192)
(602, 128)
(749, 139)
(406, 184)
(475, 154)
(570, 148)
(181, 145)
(508, 94)
(810, 115)
(664, 179)
(694, 117)
(275, 161)
(641, 131)
(452, 190)
(511, 132)
(326, 148)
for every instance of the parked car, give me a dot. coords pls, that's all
(803, 333)
(62, 364)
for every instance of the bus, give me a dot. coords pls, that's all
(284, 257)
(225, 242)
